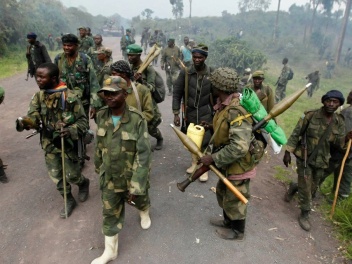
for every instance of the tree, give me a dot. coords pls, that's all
(147, 13)
(177, 8)
(343, 29)
(276, 22)
(251, 5)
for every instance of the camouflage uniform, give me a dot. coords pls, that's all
(48, 109)
(36, 55)
(104, 72)
(314, 79)
(148, 76)
(123, 161)
(169, 60)
(85, 44)
(315, 125)
(80, 77)
(280, 92)
(265, 95)
(97, 64)
(124, 42)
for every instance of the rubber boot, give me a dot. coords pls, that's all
(236, 232)
(3, 177)
(225, 223)
(204, 177)
(303, 220)
(71, 204)
(159, 141)
(194, 164)
(110, 251)
(292, 189)
(83, 191)
(145, 219)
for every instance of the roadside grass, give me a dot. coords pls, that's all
(283, 174)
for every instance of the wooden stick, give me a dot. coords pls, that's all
(63, 170)
(339, 178)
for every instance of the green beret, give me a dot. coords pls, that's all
(134, 49)
(258, 74)
(128, 30)
(171, 39)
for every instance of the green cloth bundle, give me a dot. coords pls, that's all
(251, 103)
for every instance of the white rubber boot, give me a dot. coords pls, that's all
(110, 252)
(145, 219)
(204, 177)
(194, 164)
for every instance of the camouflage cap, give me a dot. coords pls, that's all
(82, 27)
(134, 49)
(201, 48)
(104, 50)
(114, 84)
(258, 74)
(225, 79)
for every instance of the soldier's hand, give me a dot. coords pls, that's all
(138, 77)
(206, 160)
(206, 125)
(349, 136)
(59, 124)
(65, 132)
(287, 158)
(177, 120)
(92, 112)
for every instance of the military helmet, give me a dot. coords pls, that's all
(225, 79)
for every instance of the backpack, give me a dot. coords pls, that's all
(290, 74)
(160, 91)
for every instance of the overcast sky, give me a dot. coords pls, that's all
(162, 8)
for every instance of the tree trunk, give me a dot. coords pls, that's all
(276, 21)
(190, 13)
(315, 6)
(343, 30)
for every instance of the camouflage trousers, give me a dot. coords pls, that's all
(114, 208)
(72, 170)
(346, 179)
(308, 183)
(155, 122)
(171, 77)
(311, 89)
(280, 92)
(233, 207)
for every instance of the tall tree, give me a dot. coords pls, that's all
(250, 5)
(147, 13)
(177, 8)
(343, 29)
(276, 21)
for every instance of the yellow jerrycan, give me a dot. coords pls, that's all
(196, 133)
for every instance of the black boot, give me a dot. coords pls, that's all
(3, 177)
(236, 232)
(216, 221)
(293, 188)
(71, 204)
(159, 141)
(303, 220)
(83, 191)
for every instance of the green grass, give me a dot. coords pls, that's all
(282, 174)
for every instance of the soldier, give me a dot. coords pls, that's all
(104, 58)
(315, 133)
(247, 78)
(85, 42)
(156, 38)
(264, 92)
(125, 41)
(36, 53)
(77, 71)
(231, 140)
(122, 139)
(330, 66)
(145, 39)
(170, 63)
(186, 52)
(3, 177)
(59, 43)
(348, 57)
(60, 114)
(281, 83)
(51, 42)
(147, 78)
(200, 98)
(314, 79)
(98, 40)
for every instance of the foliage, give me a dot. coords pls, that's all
(250, 5)
(236, 54)
(147, 13)
(177, 8)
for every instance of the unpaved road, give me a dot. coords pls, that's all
(32, 231)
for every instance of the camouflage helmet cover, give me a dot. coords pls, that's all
(225, 79)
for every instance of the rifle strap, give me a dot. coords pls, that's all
(137, 96)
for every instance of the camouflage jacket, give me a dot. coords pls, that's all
(145, 99)
(284, 75)
(170, 59)
(125, 41)
(48, 108)
(315, 124)
(104, 72)
(232, 138)
(158, 39)
(81, 78)
(97, 64)
(38, 54)
(148, 76)
(265, 95)
(123, 153)
(85, 44)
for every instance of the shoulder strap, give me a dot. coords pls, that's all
(137, 96)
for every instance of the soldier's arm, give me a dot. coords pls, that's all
(240, 134)
(142, 161)
(151, 75)
(34, 108)
(81, 120)
(294, 139)
(95, 100)
(147, 105)
(178, 93)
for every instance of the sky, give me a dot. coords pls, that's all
(162, 8)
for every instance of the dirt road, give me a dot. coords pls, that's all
(32, 231)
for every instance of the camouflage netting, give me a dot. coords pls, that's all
(225, 79)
